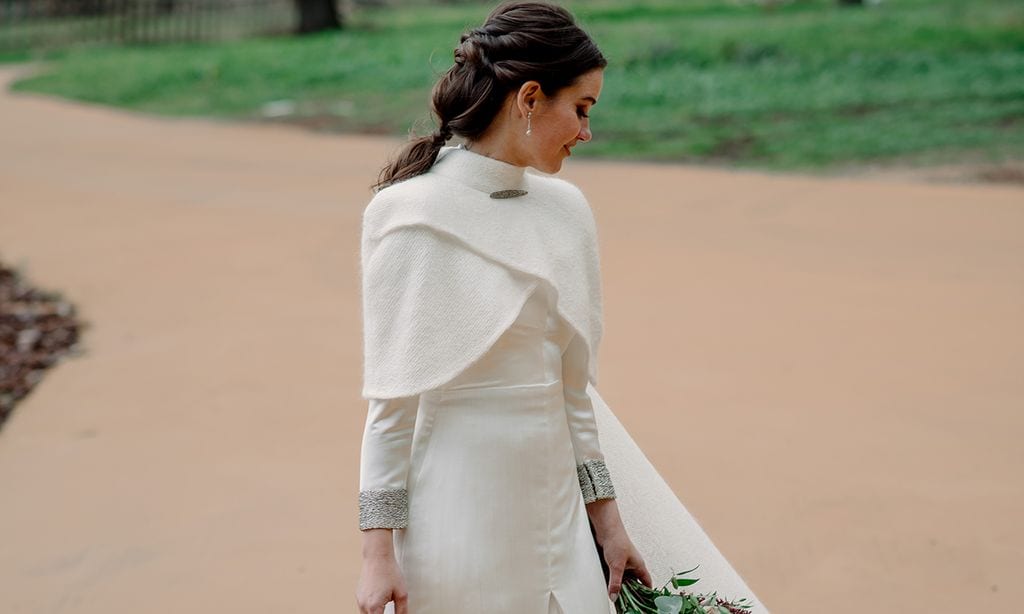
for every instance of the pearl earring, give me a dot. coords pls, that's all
(529, 129)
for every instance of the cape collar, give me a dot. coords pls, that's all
(479, 171)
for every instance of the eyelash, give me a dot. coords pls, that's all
(581, 113)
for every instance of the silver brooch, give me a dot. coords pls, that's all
(508, 193)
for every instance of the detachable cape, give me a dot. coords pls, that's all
(430, 309)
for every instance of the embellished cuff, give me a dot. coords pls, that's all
(383, 509)
(595, 481)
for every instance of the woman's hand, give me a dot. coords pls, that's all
(381, 578)
(621, 555)
(619, 552)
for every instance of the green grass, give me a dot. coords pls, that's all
(806, 84)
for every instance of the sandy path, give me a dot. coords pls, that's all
(828, 371)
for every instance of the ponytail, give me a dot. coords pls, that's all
(414, 159)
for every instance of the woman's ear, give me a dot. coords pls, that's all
(528, 96)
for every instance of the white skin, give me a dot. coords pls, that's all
(558, 123)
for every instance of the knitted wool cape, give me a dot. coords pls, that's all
(445, 271)
(435, 302)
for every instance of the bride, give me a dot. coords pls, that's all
(493, 477)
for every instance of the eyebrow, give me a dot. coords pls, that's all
(590, 98)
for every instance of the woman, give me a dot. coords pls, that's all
(483, 482)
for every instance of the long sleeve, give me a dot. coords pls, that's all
(595, 481)
(384, 462)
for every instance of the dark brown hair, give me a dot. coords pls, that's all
(518, 42)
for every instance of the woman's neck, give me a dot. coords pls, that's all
(479, 171)
(496, 147)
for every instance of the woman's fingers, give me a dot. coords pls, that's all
(615, 569)
(400, 606)
(642, 573)
(369, 609)
(645, 577)
(401, 603)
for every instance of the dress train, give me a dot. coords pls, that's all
(668, 537)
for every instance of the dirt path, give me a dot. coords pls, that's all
(828, 371)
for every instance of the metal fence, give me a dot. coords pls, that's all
(52, 24)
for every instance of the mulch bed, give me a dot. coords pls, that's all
(37, 329)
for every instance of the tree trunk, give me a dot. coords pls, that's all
(317, 15)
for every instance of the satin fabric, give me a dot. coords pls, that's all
(497, 521)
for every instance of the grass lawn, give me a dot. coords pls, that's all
(807, 84)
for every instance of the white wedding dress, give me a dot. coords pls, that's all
(484, 478)
(496, 519)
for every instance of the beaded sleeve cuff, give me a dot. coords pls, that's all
(595, 481)
(383, 509)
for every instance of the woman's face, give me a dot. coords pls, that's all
(561, 121)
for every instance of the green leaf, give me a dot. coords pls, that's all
(678, 581)
(669, 604)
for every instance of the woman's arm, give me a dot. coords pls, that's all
(618, 551)
(595, 480)
(384, 463)
(383, 500)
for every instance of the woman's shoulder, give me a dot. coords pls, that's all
(563, 194)
(558, 188)
(421, 188)
(419, 196)
(434, 197)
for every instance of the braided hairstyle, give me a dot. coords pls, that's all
(518, 42)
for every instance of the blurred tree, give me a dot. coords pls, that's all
(851, 2)
(317, 15)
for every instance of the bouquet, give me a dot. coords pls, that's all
(636, 598)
